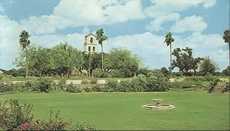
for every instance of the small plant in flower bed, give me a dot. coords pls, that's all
(15, 116)
(73, 88)
(154, 82)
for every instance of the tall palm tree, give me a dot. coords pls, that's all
(101, 38)
(226, 38)
(169, 40)
(24, 43)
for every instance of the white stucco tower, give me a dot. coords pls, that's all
(90, 44)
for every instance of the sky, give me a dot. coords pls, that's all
(137, 25)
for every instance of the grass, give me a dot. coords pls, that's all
(194, 110)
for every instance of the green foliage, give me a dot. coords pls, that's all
(165, 71)
(1, 76)
(44, 85)
(226, 36)
(140, 84)
(207, 66)
(169, 39)
(13, 114)
(74, 88)
(84, 126)
(100, 73)
(122, 62)
(226, 71)
(55, 123)
(4, 87)
(185, 60)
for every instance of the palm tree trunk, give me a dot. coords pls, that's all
(229, 54)
(27, 66)
(89, 74)
(102, 58)
(170, 51)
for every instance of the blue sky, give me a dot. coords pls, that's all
(138, 25)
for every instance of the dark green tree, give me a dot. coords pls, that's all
(185, 61)
(207, 66)
(226, 71)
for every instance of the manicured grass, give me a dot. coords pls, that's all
(194, 110)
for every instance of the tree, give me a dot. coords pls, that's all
(185, 60)
(101, 38)
(66, 59)
(123, 62)
(226, 71)
(207, 66)
(164, 71)
(226, 38)
(169, 40)
(24, 43)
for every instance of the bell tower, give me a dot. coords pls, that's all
(90, 44)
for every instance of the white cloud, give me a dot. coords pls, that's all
(72, 13)
(156, 24)
(9, 46)
(189, 24)
(162, 7)
(206, 45)
(155, 54)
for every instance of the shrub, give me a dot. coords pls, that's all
(4, 87)
(139, 84)
(73, 88)
(43, 85)
(1, 76)
(227, 87)
(156, 83)
(84, 81)
(93, 81)
(87, 89)
(55, 123)
(100, 74)
(12, 114)
(98, 88)
(83, 126)
(15, 116)
(112, 85)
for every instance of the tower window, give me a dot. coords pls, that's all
(89, 48)
(93, 49)
(91, 39)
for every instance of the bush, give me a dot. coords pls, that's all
(83, 126)
(139, 84)
(12, 114)
(43, 85)
(87, 89)
(100, 74)
(73, 88)
(1, 76)
(15, 116)
(4, 87)
(111, 85)
(55, 123)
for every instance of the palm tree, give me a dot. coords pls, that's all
(100, 38)
(226, 38)
(169, 40)
(24, 43)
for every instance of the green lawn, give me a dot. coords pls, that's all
(194, 110)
